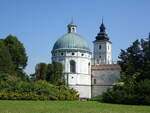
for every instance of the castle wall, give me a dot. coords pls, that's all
(103, 76)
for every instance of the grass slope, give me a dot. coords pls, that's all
(8, 106)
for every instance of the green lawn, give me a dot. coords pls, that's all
(7, 106)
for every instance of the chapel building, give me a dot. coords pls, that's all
(89, 74)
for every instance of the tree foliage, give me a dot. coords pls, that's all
(14, 84)
(17, 51)
(13, 58)
(37, 90)
(41, 71)
(135, 76)
(57, 76)
(136, 59)
(6, 64)
(52, 73)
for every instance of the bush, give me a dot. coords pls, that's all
(7, 81)
(24, 96)
(131, 93)
(38, 90)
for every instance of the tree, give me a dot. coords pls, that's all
(6, 64)
(49, 72)
(136, 59)
(17, 52)
(130, 59)
(135, 76)
(57, 76)
(145, 44)
(41, 71)
(52, 73)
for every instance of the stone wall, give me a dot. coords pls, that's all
(103, 76)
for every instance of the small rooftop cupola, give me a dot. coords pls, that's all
(102, 34)
(72, 27)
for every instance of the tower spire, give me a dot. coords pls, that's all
(102, 34)
(102, 27)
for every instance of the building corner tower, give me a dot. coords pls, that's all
(102, 53)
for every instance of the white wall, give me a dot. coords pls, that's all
(102, 55)
(83, 90)
(82, 77)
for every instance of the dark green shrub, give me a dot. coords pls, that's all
(38, 90)
(131, 93)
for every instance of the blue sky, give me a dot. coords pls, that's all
(39, 23)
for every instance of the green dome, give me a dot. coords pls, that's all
(71, 41)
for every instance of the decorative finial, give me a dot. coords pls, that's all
(102, 27)
(71, 21)
(102, 20)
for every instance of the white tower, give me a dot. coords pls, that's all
(102, 48)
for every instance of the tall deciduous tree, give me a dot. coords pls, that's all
(6, 65)
(17, 51)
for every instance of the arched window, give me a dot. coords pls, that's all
(100, 46)
(73, 29)
(89, 69)
(72, 66)
(89, 64)
(94, 81)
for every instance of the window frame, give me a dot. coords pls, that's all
(72, 66)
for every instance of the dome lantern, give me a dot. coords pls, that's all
(72, 27)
